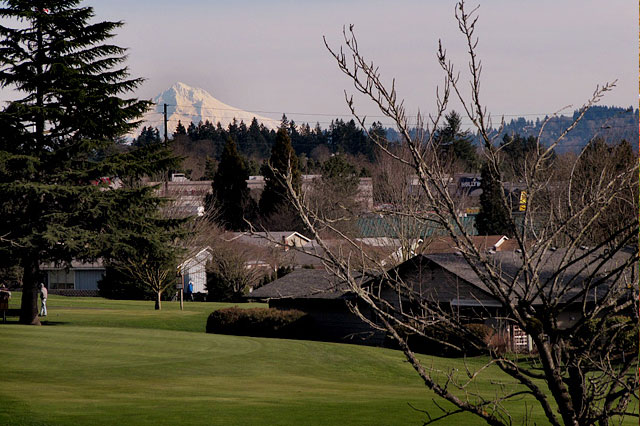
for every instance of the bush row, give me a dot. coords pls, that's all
(260, 322)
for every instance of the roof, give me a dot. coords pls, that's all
(200, 257)
(262, 238)
(397, 226)
(320, 284)
(302, 284)
(574, 276)
(98, 264)
(445, 244)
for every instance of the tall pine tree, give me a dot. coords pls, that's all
(283, 162)
(455, 143)
(230, 192)
(494, 216)
(57, 140)
(180, 130)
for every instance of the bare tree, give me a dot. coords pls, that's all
(154, 265)
(229, 273)
(569, 287)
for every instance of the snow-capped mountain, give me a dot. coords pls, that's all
(191, 104)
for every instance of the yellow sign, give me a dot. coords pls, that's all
(523, 201)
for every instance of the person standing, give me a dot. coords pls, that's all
(190, 290)
(43, 296)
(5, 295)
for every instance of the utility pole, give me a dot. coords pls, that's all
(166, 138)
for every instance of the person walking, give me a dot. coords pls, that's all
(43, 296)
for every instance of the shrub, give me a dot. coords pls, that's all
(259, 322)
(432, 345)
(484, 332)
(619, 329)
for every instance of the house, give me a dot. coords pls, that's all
(78, 279)
(194, 270)
(81, 278)
(325, 299)
(364, 195)
(188, 196)
(445, 280)
(271, 250)
(449, 281)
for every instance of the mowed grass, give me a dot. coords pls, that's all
(103, 362)
(97, 311)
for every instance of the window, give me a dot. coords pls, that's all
(61, 280)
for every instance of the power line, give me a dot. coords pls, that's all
(350, 115)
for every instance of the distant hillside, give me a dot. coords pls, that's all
(611, 123)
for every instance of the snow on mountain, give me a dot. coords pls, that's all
(191, 104)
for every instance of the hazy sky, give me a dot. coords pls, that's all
(538, 56)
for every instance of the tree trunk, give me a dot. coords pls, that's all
(556, 385)
(30, 288)
(158, 301)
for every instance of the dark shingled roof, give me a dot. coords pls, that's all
(302, 284)
(320, 284)
(573, 276)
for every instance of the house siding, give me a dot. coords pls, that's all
(87, 280)
(195, 270)
(333, 321)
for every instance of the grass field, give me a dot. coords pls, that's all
(103, 362)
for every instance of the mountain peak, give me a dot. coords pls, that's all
(192, 104)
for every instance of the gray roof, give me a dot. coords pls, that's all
(302, 284)
(574, 276)
(98, 264)
(320, 284)
(270, 239)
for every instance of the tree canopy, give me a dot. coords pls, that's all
(455, 144)
(493, 218)
(63, 180)
(283, 162)
(230, 196)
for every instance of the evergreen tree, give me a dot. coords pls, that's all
(455, 143)
(493, 218)
(378, 133)
(148, 135)
(256, 142)
(517, 150)
(340, 176)
(192, 131)
(242, 139)
(284, 122)
(180, 129)
(230, 192)
(210, 167)
(206, 131)
(57, 149)
(283, 161)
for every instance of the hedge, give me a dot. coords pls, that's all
(260, 322)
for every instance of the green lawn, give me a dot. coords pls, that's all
(96, 311)
(120, 362)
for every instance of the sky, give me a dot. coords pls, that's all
(269, 56)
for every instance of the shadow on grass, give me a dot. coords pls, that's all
(48, 323)
(42, 322)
